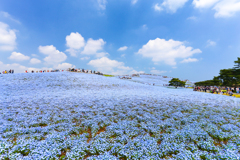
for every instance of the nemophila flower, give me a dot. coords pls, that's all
(77, 116)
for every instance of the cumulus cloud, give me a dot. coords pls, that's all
(101, 54)
(74, 42)
(204, 3)
(54, 56)
(102, 4)
(123, 55)
(166, 51)
(34, 55)
(105, 64)
(18, 57)
(226, 8)
(123, 48)
(192, 18)
(85, 58)
(93, 47)
(109, 66)
(8, 16)
(15, 66)
(154, 71)
(20, 68)
(223, 8)
(211, 43)
(144, 27)
(35, 61)
(170, 5)
(64, 66)
(7, 38)
(189, 60)
(134, 1)
(157, 7)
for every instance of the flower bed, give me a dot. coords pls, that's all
(79, 116)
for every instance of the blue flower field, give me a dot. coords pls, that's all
(84, 116)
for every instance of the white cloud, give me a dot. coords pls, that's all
(18, 57)
(223, 8)
(93, 46)
(157, 7)
(15, 66)
(35, 61)
(123, 48)
(166, 51)
(154, 71)
(74, 42)
(109, 66)
(189, 60)
(192, 18)
(123, 55)
(204, 3)
(8, 16)
(227, 8)
(85, 58)
(102, 54)
(20, 68)
(34, 55)
(144, 27)
(54, 56)
(102, 4)
(105, 64)
(134, 1)
(211, 43)
(172, 5)
(7, 38)
(64, 66)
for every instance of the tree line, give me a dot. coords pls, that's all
(227, 77)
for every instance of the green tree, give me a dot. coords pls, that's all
(176, 82)
(227, 77)
(237, 63)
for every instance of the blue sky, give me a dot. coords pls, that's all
(188, 39)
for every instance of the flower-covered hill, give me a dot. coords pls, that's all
(83, 116)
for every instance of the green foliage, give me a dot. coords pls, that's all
(176, 82)
(227, 77)
(106, 75)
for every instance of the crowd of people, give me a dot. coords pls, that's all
(217, 89)
(84, 71)
(42, 71)
(7, 71)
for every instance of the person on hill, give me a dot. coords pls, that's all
(237, 90)
(217, 90)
